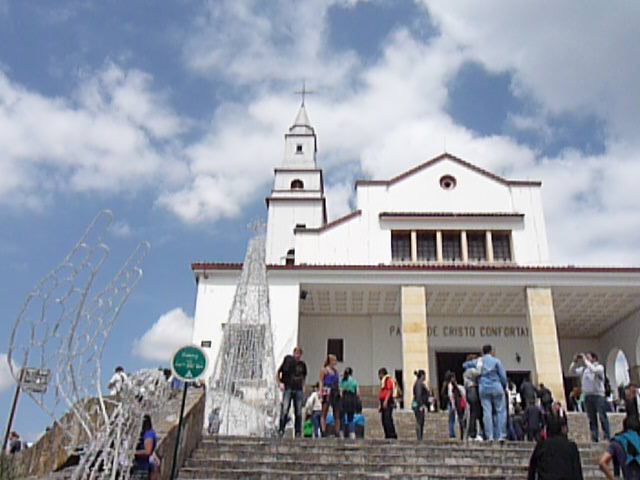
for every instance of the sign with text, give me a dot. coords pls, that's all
(189, 363)
(482, 331)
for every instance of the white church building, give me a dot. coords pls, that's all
(431, 265)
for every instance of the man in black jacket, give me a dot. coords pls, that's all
(631, 401)
(557, 457)
(528, 393)
(291, 378)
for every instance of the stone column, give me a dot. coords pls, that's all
(489, 245)
(464, 245)
(414, 246)
(543, 338)
(415, 349)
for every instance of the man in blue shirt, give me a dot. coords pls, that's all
(491, 384)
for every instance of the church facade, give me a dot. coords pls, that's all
(431, 265)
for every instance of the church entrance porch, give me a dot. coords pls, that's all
(364, 324)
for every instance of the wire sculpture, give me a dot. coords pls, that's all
(62, 329)
(243, 383)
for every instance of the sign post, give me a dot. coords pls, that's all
(187, 364)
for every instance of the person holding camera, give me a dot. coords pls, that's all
(593, 385)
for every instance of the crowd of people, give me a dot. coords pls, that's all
(333, 406)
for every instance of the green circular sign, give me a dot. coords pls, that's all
(189, 363)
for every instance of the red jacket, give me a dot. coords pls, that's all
(386, 389)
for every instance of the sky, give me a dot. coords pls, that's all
(172, 114)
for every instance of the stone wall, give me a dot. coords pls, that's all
(191, 432)
(49, 453)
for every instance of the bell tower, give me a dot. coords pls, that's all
(297, 198)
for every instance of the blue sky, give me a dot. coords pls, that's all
(172, 115)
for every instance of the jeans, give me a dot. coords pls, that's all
(295, 396)
(386, 415)
(348, 425)
(419, 413)
(494, 414)
(452, 422)
(596, 406)
(315, 420)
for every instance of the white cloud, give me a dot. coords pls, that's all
(115, 135)
(6, 380)
(383, 115)
(567, 55)
(172, 330)
(251, 41)
(121, 229)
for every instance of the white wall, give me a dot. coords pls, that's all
(282, 219)
(213, 303)
(365, 240)
(457, 334)
(368, 344)
(214, 297)
(371, 342)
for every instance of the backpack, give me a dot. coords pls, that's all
(461, 402)
(545, 396)
(630, 442)
(397, 391)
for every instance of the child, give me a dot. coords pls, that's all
(313, 409)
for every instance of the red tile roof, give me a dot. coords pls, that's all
(495, 267)
(332, 224)
(450, 214)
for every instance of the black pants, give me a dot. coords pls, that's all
(475, 413)
(419, 413)
(387, 421)
(533, 435)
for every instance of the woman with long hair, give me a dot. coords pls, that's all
(145, 460)
(330, 382)
(420, 401)
(349, 390)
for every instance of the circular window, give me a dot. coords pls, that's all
(447, 182)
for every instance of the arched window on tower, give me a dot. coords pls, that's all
(290, 259)
(297, 184)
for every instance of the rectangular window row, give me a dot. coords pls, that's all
(451, 246)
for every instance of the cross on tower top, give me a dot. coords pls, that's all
(303, 92)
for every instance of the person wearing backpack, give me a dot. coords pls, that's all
(349, 390)
(593, 385)
(386, 397)
(457, 407)
(492, 383)
(625, 449)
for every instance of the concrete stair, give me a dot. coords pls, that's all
(251, 458)
(436, 426)
(435, 458)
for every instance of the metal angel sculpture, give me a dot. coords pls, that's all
(56, 347)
